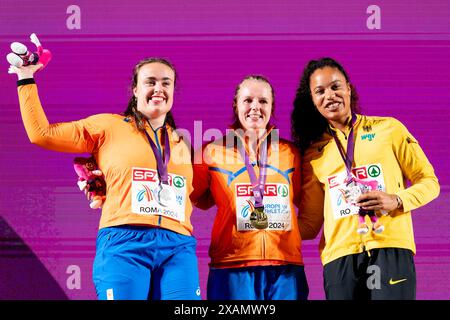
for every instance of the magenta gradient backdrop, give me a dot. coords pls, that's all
(401, 70)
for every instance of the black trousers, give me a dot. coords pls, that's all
(378, 274)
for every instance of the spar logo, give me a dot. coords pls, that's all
(147, 175)
(246, 190)
(360, 173)
(283, 191)
(333, 181)
(374, 171)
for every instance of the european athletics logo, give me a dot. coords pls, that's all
(245, 211)
(178, 182)
(146, 193)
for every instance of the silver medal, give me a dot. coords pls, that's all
(352, 193)
(166, 195)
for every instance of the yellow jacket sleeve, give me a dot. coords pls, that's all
(415, 167)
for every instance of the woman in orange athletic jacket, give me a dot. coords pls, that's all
(253, 178)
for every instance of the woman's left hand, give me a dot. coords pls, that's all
(378, 200)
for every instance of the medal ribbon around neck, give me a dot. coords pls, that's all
(161, 161)
(258, 184)
(349, 156)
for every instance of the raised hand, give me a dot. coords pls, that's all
(21, 57)
(26, 72)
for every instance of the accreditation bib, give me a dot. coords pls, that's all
(276, 206)
(370, 176)
(147, 199)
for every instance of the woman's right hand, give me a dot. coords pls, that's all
(25, 72)
(96, 198)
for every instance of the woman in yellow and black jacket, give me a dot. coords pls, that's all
(343, 151)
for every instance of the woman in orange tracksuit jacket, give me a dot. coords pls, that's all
(252, 261)
(145, 246)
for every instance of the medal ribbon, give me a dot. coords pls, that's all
(348, 157)
(161, 161)
(258, 184)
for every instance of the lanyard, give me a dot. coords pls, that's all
(161, 161)
(349, 156)
(258, 184)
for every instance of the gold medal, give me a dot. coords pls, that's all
(258, 218)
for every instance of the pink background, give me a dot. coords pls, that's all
(401, 70)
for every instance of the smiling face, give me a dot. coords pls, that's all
(331, 95)
(253, 104)
(154, 90)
